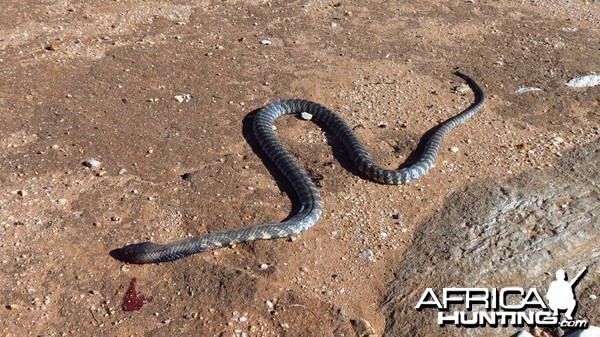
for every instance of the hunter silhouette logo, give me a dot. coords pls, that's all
(560, 294)
(516, 306)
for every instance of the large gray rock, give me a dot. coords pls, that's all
(505, 233)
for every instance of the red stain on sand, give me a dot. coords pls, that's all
(133, 301)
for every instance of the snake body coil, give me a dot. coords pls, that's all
(308, 194)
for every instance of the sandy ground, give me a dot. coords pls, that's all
(99, 81)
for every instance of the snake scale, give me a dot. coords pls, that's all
(308, 194)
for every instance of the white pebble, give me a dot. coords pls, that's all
(368, 254)
(91, 163)
(266, 42)
(306, 116)
(183, 98)
(454, 149)
(524, 334)
(584, 81)
(526, 89)
(264, 266)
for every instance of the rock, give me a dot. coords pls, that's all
(524, 334)
(306, 116)
(584, 81)
(183, 98)
(591, 331)
(91, 163)
(363, 328)
(523, 90)
(496, 234)
(368, 254)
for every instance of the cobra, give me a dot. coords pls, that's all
(308, 194)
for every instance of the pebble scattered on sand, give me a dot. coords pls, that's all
(524, 334)
(368, 254)
(584, 81)
(91, 163)
(20, 193)
(363, 328)
(183, 98)
(266, 42)
(523, 90)
(306, 116)
(454, 149)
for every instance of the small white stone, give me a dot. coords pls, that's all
(584, 81)
(524, 334)
(454, 149)
(183, 98)
(91, 163)
(523, 90)
(368, 254)
(264, 266)
(306, 116)
(266, 42)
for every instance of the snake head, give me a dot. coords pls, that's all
(138, 253)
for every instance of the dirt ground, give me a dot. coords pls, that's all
(157, 89)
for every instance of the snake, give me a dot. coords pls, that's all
(311, 203)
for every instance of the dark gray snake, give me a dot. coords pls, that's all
(308, 194)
